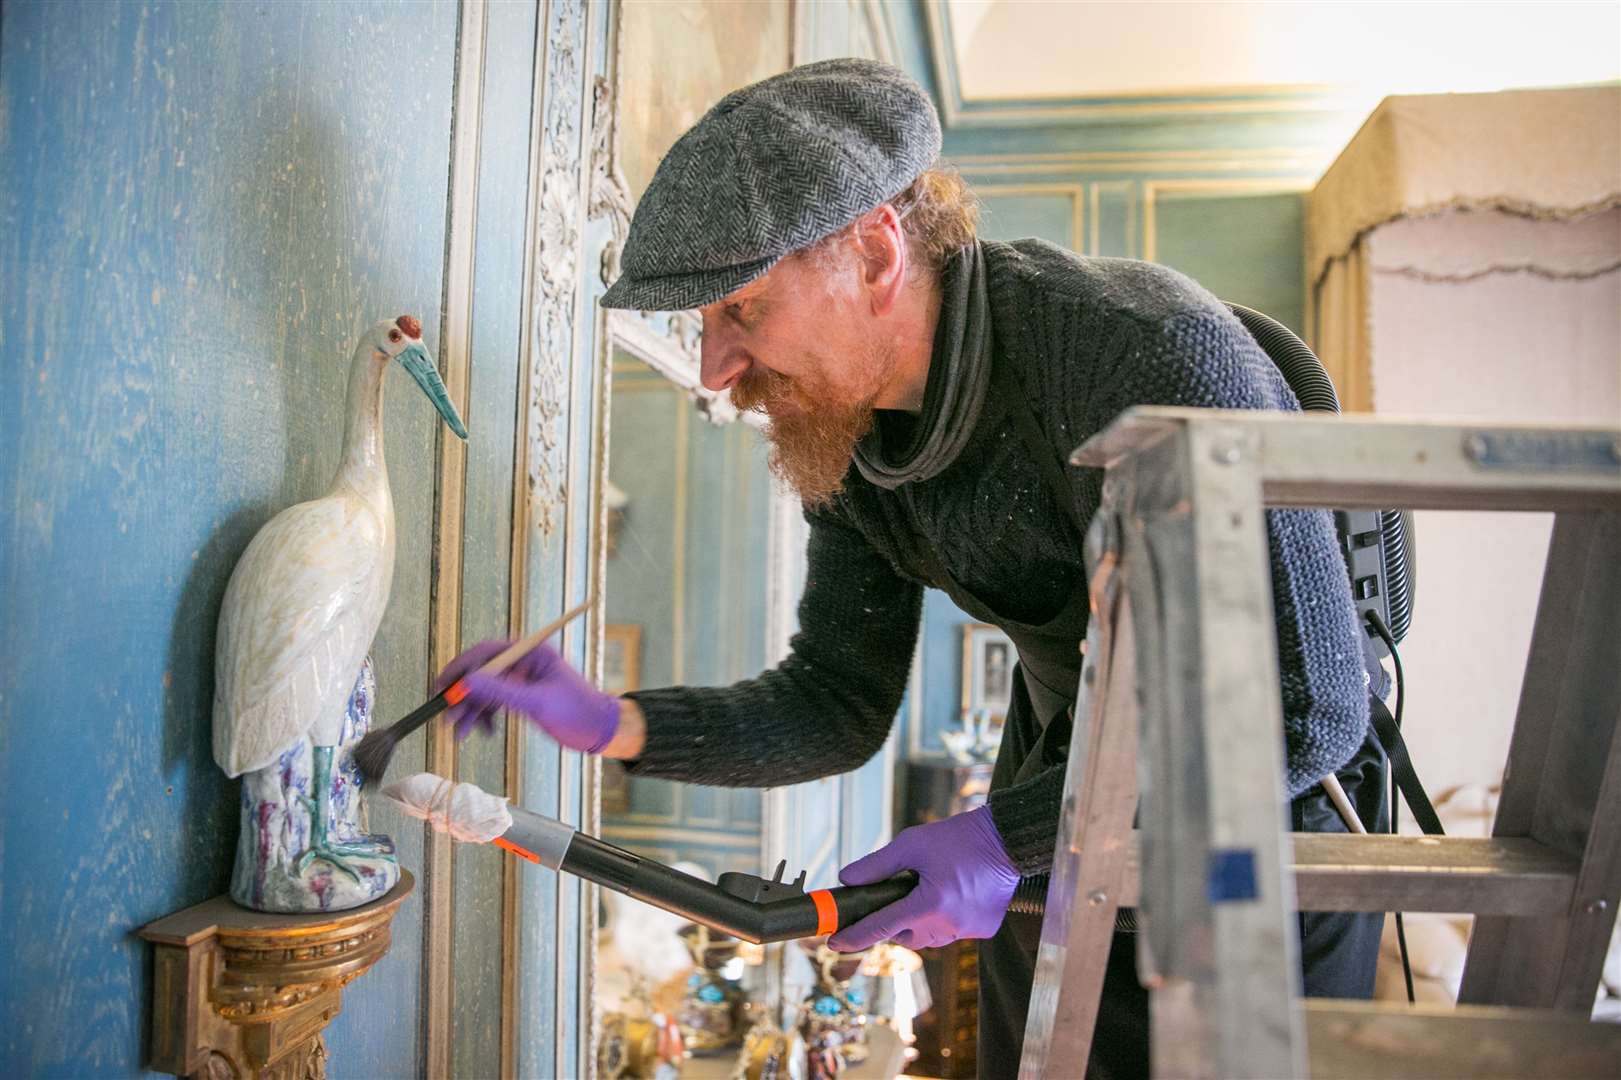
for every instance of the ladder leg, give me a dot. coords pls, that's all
(1094, 841)
(1563, 782)
(1219, 944)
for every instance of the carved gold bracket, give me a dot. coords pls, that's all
(239, 993)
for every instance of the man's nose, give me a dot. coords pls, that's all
(721, 362)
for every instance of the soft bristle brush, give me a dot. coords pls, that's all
(373, 752)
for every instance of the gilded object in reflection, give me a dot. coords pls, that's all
(770, 1054)
(833, 1016)
(621, 657)
(712, 1008)
(988, 657)
(621, 673)
(645, 1047)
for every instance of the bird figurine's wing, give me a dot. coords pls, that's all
(300, 612)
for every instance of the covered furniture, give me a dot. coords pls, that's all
(1463, 258)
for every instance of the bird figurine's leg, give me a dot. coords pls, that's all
(320, 820)
(302, 844)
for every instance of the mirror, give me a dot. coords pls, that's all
(702, 549)
(685, 597)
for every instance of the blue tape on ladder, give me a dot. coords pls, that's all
(1232, 875)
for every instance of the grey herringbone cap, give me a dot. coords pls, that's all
(771, 169)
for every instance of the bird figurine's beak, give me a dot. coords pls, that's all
(415, 359)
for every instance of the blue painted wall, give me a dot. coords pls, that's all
(201, 206)
(493, 391)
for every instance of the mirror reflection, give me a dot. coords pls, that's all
(688, 507)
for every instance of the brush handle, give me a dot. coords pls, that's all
(512, 653)
(457, 690)
(422, 713)
(502, 660)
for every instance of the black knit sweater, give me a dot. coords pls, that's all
(1085, 338)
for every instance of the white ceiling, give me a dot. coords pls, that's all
(1079, 48)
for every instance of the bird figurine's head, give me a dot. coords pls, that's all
(402, 340)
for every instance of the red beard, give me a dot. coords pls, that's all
(813, 435)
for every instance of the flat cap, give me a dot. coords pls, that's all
(773, 168)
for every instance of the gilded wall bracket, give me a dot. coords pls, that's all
(240, 994)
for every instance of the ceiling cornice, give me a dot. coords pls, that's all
(957, 112)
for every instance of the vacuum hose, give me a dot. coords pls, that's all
(1401, 569)
(1301, 369)
(742, 905)
(1030, 898)
(745, 906)
(1305, 375)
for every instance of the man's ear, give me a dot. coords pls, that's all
(881, 252)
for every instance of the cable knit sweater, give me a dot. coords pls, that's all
(1085, 338)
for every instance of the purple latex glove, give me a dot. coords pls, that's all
(965, 882)
(542, 686)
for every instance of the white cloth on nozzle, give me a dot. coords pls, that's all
(465, 811)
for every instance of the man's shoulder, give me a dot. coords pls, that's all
(1024, 273)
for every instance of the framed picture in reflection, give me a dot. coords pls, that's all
(621, 657)
(621, 673)
(987, 670)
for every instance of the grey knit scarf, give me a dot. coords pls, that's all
(959, 373)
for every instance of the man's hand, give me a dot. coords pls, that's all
(541, 686)
(965, 882)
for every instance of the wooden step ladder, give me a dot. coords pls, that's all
(1179, 692)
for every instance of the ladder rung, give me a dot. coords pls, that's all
(1466, 875)
(1499, 876)
(1364, 1040)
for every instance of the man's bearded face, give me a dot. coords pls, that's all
(816, 419)
(801, 346)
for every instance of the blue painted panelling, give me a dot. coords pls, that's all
(1244, 248)
(558, 418)
(942, 671)
(640, 583)
(493, 391)
(202, 205)
(689, 570)
(1012, 217)
(1111, 223)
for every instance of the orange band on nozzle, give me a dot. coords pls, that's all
(456, 693)
(522, 853)
(827, 912)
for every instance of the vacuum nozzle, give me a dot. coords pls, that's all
(745, 906)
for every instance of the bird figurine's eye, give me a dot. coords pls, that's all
(394, 336)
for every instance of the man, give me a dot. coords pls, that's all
(923, 389)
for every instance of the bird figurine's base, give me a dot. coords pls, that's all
(303, 845)
(241, 994)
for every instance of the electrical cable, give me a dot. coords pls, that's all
(1313, 388)
(1383, 631)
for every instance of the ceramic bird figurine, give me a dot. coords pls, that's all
(293, 686)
